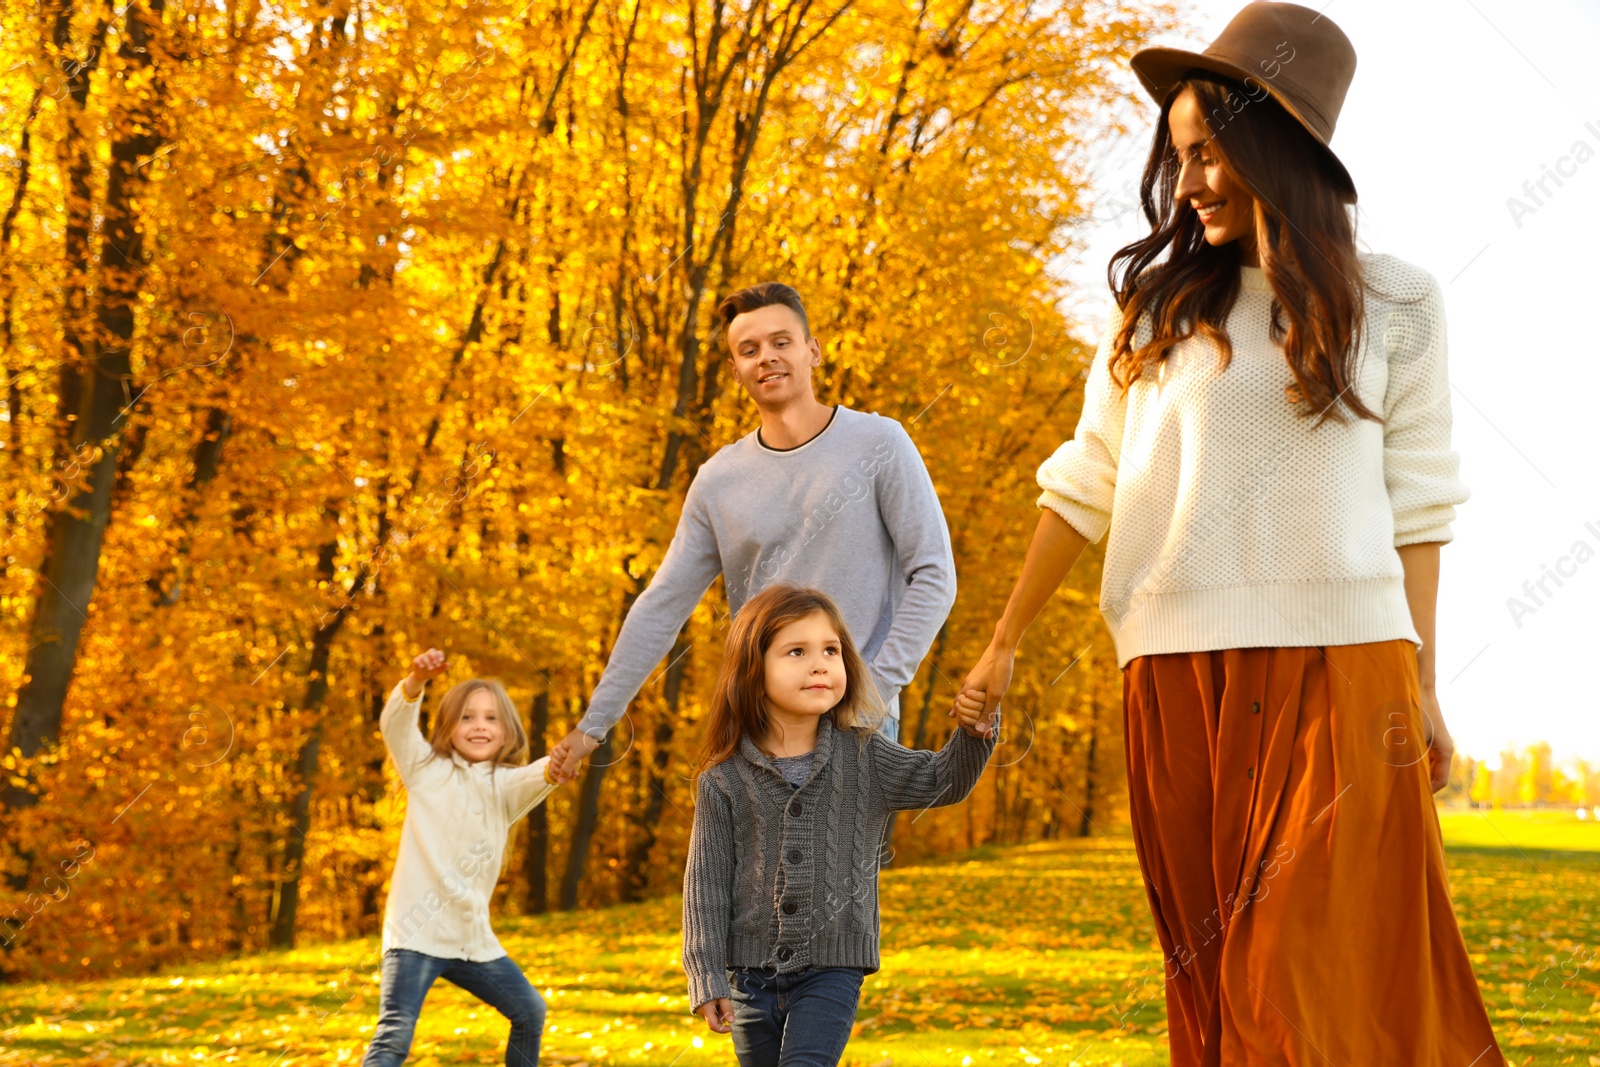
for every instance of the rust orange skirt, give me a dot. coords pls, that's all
(1292, 857)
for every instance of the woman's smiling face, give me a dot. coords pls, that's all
(1205, 185)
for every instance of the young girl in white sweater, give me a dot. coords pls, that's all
(466, 787)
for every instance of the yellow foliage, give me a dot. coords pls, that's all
(423, 352)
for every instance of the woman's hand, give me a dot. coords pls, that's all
(1441, 746)
(1056, 545)
(977, 706)
(429, 664)
(718, 1014)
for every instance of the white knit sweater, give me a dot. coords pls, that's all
(1234, 523)
(458, 816)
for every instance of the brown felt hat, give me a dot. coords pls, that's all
(1296, 54)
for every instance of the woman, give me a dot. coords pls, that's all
(1266, 435)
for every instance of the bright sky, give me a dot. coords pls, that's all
(1456, 104)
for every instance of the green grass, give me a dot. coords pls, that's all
(1530, 831)
(1004, 956)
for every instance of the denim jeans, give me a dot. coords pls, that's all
(793, 1020)
(407, 977)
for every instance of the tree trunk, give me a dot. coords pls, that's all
(368, 876)
(537, 858)
(7, 262)
(287, 902)
(636, 872)
(102, 384)
(207, 460)
(1086, 815)
(583, 829)
(919, 736)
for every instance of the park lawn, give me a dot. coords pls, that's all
(1551, 830)
(1036, 954)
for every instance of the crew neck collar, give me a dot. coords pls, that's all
(1253, 278)
(482, 767)
(789, 451)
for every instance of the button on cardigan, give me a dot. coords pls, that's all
(1233, 522)
(788, 878)
(458, 814)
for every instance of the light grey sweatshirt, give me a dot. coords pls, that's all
(851, 512)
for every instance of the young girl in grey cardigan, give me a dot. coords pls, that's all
(780, 895)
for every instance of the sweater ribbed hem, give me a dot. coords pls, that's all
(1269, 614)
(835, 948)
(832, 948)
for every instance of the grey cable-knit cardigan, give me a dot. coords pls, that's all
(788, 878)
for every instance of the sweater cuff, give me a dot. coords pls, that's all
(1089, 522)
(594, 725)
(983, 747)
(707, 987)
(1439, 534)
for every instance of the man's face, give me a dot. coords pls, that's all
(771, 355)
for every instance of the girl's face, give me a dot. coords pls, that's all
(805, 667)
(1225, 207)
(480, 733)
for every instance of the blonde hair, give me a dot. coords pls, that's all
(514, 749)
(739, 707)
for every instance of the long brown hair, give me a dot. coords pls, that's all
(739, 707)
(1305, 237)
(514, 749)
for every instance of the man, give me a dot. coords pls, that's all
(819, 495)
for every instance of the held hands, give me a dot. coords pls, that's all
(977, 706)
(429, 664)
(718, 1014)
(568, 756)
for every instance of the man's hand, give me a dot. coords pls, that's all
(569, 754)
(1441, 746)
(977, 706)
(718, 1014)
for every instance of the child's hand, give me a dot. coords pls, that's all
(977, 707)
(718, 1014)
(429, 664)
(969, 713)
(569, 754)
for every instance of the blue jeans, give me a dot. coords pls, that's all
(407, 977)
(793, 1020)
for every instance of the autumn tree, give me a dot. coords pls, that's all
(334, 332)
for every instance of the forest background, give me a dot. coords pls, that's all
(332, 331)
